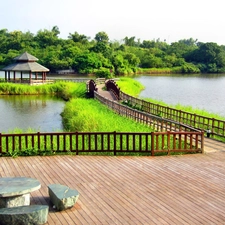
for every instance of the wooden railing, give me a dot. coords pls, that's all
(173, 137)
(77, 80)
(214, 127)
(91, 88)
(169, 128)
(110, 143)
(159, 124)
(113, 87)
(100, 80)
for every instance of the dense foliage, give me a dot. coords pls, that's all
(108, 58)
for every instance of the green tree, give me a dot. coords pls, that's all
(130, 41)
(15, 40)
(102, 47)
(76, 37)
(209, 55)
(103, 73)
(102, 37)
(87, 63)
(47, 37)
(4, 40)
(151, 61)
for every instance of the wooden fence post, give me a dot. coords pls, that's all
(77, 143)
(168, 141)
(39, 141)
(202, 142)
(114, 137)
(213, 124)
(152, 144)
(0, 142)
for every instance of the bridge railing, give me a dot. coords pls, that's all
(106, 143)
(214, 127)
(91, 87)
(157, 123)
(153, 121)
(112, 86)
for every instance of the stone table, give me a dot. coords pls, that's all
(15, 191)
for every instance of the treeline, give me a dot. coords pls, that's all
(107, 58)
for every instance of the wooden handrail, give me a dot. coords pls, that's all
(113, 143)
(215, 127)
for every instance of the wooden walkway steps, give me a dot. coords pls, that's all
(106, 94)
(182, 189)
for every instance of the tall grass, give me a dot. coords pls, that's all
(89, 115)
(130, 86)
(62, 89)
(177, 69)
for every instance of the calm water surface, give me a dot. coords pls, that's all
(41, 113)
(205, 92)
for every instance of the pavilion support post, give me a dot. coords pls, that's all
(30, 77)
(21, 76)
(14, 75)
(43, 77)
(36, 76)
(5, 75)
(8, 75)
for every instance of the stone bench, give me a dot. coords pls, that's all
(62, 196)
(24, 215)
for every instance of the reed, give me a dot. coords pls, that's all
(156, 71)
(130, 86)
(91, 116)
(62, 89)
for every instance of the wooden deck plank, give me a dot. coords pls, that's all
(186, 189)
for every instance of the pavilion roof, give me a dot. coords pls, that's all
(26, 67)
(25, 57)
(25, 63)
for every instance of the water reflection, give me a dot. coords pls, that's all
(41, 113)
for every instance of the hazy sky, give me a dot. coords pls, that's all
(169, 20)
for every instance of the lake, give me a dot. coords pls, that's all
(41, 113)
(205, 92)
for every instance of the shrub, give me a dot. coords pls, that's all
(103, 73)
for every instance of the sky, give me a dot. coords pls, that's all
(167, 20)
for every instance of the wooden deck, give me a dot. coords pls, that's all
(185, 189)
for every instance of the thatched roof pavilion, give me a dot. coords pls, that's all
(26, 64)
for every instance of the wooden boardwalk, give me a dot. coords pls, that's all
(185, 189)
(213, 145)
(106, 94)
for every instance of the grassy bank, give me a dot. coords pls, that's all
(130, 86)
(159, 70)
(87, 115)
(61, 89)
